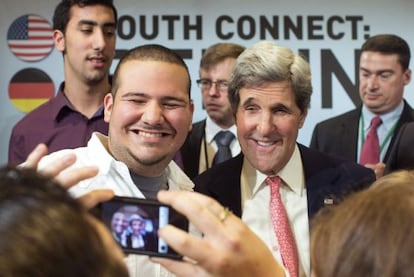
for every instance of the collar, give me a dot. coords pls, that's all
(99, 149)
(62, 107)
(289, 174)
(212, 129)
(388, 119)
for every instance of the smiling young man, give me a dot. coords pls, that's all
(270, 92)
(149, 113)
(84, 32)
(383, 74)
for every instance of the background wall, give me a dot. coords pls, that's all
(328, 33)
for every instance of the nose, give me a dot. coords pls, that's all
(153, 114)
(99, 41)
(213, 90)
(372, 82)
(266, 124)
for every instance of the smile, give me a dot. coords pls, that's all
(149, 135)
(263, 143)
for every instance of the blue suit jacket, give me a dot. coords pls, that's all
(326, 177)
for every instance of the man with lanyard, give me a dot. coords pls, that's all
(383, 74)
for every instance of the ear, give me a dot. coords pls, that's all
(108, 106)
(302, 118)
(59, 40)
(407, 77)
(192, 112)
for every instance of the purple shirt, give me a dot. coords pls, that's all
(55, 123)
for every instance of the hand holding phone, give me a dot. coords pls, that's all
(134, 222)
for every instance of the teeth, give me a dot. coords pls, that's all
(150, 135)
(262, 143)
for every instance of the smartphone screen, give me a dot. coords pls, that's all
(134, 222)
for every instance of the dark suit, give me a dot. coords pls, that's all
(190, 151)
(339, 135)
(326, 178)
(402, 152)
(150, 242)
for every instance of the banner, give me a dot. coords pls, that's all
(327, 33)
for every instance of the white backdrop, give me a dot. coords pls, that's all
(328, 32)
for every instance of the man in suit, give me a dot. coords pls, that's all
(383, 74)
(402, 153)
(270, 92)
(200, 147)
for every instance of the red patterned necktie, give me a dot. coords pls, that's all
(281, 227)
(370, 153)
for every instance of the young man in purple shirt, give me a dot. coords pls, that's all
(84, 31)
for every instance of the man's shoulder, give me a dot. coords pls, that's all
(40, 115)
(317, 163)
(223, 171)
(341, 118)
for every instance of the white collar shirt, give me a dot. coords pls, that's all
(115, 175)
(256, 213)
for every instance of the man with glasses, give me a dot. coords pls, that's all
(213, 139)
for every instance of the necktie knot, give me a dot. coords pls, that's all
(224, 138)
(274, 182)
(375, 122)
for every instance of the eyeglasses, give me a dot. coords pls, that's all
(206, 84)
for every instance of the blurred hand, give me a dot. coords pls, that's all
(378, 169)
(228, 247)
(68, 178)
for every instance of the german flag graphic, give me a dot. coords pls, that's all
(29, 88)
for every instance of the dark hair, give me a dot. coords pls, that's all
(218, 52)
(368, 234)
(45, 232)
(61, 15)
(150, 52)
(389, 44)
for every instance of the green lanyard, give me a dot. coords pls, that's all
(387, 137)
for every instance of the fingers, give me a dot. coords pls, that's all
(34, 157)
(69, 178)
(202, 211)
(378, 169)
(53, 169)
(95, 197)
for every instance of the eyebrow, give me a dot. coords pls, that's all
(94, 23)
(141, 94)
(377, 71)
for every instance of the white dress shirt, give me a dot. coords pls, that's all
(256, 213)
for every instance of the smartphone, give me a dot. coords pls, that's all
(134, 222)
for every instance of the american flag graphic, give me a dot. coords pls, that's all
(30, 38)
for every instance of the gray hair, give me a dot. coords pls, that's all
(266, 62)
